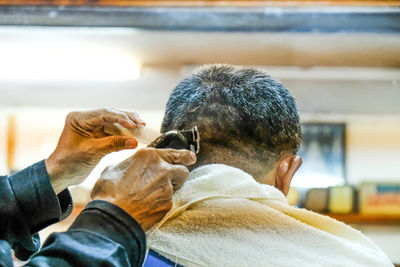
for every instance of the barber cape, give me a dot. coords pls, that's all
(223, 217)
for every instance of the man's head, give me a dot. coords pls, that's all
(245, 118)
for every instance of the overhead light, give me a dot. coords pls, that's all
(65, 61)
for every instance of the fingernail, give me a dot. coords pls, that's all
(141, 122)
(193, 155)
(130, 143)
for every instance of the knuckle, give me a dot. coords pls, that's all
(108, 112)
(185, 170)
(104, 110)
(164, 175)
(121, 115)
(175, 156)
(125, 116)
(147, 153)
(186, 173)
(116, 143)
(135, 114)
(182, 170)
(169, 155)
(168, 204)
(170, 151)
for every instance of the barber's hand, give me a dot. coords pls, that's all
(143, 184)
(83, 143)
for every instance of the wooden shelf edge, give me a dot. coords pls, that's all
(365, 219)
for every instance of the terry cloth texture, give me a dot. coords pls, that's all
(223, 217)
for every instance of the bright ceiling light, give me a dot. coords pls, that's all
(65, 61)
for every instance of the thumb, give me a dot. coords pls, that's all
(115, 143)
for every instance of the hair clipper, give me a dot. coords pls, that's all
(185, 139)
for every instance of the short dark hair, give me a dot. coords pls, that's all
(239, 108)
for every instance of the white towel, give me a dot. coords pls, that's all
(223, 217)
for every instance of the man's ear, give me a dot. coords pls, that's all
(286, 169)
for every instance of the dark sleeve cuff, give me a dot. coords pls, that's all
(113, 222)
(37, 199)
(5, 254)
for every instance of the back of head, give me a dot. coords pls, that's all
(245, 118)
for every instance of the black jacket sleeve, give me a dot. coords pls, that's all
(28, 204)
(102, 235)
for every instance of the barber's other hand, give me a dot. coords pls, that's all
(83, 143)
(143, 184)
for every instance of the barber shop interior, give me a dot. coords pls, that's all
(200, 133)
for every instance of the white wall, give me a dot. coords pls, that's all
(373, 150)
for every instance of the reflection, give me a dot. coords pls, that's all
(322, 150)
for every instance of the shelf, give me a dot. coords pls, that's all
(365, 219)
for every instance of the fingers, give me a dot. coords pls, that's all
(134, 117)
(171, 162)
(115, 143)
(173, 156)
(178, 176)
(90, 120)
(125, 119)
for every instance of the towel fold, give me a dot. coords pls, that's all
(223, 217)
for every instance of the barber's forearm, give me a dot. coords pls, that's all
(103, 234)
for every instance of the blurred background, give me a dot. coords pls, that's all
(340, 59)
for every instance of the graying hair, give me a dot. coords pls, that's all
(245, 118)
